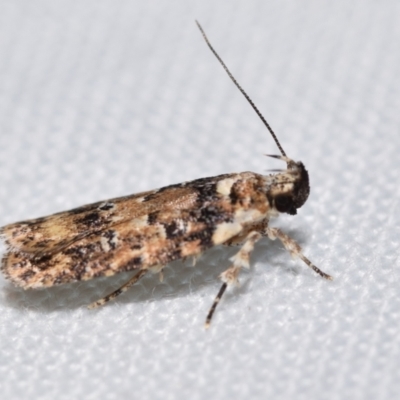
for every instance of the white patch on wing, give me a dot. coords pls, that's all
(225, 231)
(180, 224)
(162, 234)
(248, 216)
(140, 221)
(224, 187)
(105, 246)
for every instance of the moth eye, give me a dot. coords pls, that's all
(285, 204)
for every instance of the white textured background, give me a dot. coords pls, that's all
(104, 98)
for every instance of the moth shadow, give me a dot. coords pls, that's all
(180, 280)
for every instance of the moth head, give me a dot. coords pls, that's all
(289, 190)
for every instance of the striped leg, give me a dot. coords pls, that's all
(119, 291)
(293, 248)
(229, 277)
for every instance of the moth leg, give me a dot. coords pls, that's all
(241, 237)
(158, 269)
(195, 259)
(230, 276)
(293, 248)
(119, 291)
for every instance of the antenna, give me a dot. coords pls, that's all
(242, 91)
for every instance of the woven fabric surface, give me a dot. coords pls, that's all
(100, 99)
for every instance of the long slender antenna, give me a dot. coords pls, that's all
(242, 91)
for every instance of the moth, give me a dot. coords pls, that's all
(145, 231)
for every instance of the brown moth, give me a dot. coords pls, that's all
(145, 231)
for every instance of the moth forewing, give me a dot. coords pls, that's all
(171, 223)
(146, 231)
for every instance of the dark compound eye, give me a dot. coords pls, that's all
(285, 204)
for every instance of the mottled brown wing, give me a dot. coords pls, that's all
(133, 232)
(136, 244)
(48, 235)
